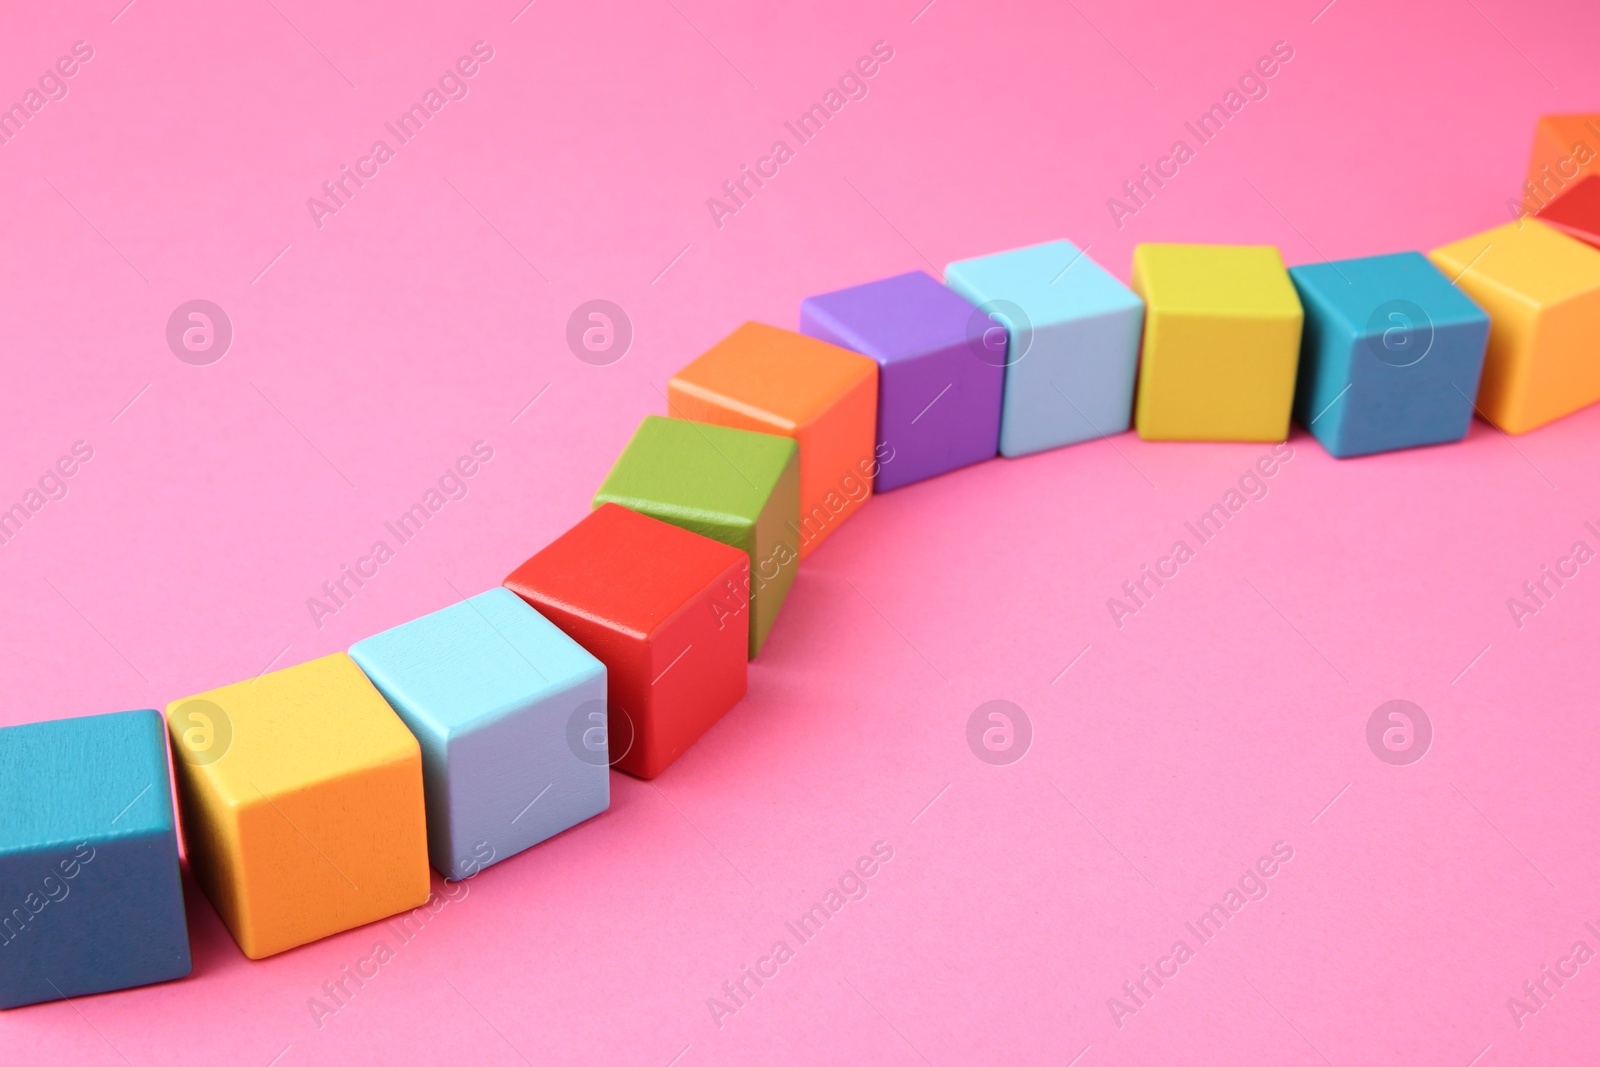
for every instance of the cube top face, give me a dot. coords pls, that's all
(892, 319)
(1576, 212)
(1245, 281)
(1531, 262)
(288, 730)
(775, 377)
(699, 475)
(1562, 146)
(1051, 282)
(624, 570)
(86, 779)
(1373, 295)
(469, 665)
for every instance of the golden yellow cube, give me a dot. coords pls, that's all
(1541, 289)
(1221, 343)
(301, 794)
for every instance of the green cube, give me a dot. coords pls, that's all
(734, 486)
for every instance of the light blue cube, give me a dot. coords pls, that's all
(510, 714)
(1390, 356)
(1071, 346)
(90, 899)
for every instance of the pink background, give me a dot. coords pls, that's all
(430, 311)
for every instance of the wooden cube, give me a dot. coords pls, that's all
(301, 794)
(938, 401)
(88, 859)
(664, 609)
(493, 692)
(733, 486)
(1391, 354)
(1071, 342)
(1221, 343)
(773, 381)
(1541, 289)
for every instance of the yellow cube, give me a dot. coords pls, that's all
(1221, 343)
(1541, 289)
(301, 794)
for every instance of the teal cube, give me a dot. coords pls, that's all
(90, 897)
(1390, 355)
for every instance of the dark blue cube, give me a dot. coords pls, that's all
(1390, 355)
(90, 897)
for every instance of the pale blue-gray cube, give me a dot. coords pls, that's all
(1071, 347)
(510, 715)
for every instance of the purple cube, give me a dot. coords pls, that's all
(938, 397)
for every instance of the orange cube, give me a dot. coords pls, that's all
(1565, 147)
(773, 381)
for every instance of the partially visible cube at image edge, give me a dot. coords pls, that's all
(89, 877)
(1390, 357)
(938, 398)
(1541, 289)
(734, 486)
(302, 803)
(774, 381)
(1069, 342)
(501, 702)
(1221, 343)
(666, 611)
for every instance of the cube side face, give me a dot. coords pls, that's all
(697, 671)
(1217, 378)
(1564, 369)
(835, 447)
(1074, 382)
(91, 918)
(330, 857)
(1428, 402)
(774, 554)
(937, 412)
(518, 780)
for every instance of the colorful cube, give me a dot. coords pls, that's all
(301, 794)
(1541, 289)
(1390, 355)
(1067, 333)
(1565, 148)
(773, 381)
(1221, 343)
(499, 699)
(88, 859)
(664, 609)
(733, 486)
(1576, 212)
(938, 404)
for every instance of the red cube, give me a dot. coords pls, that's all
(664, 609)
(1576, 212)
